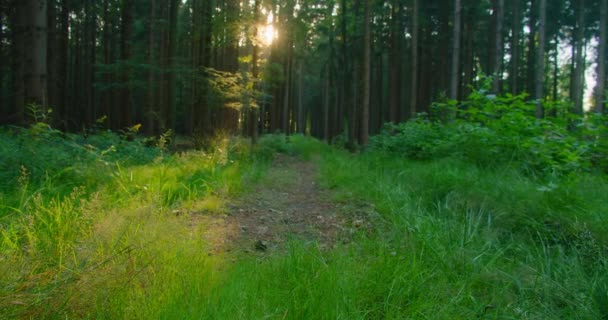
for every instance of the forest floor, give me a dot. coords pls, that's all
(288, 204)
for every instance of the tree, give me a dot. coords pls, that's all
(540, 58)
(125, 55)
(366, 75)
(498, 45)
(32, 47)
(515, 46)
(414, 76)
(395, 62)
(454, 80)
(579, 59)
(600, 87)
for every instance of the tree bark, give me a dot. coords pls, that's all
(515, 47)
(531, 73)
(125, 55)
(579, 60)
(600, 87)
(414, 74)
(367, 41)
(35, 53)
(498, 46)
(151, 113)
(454, 81)
(395, 63)
(540, 59)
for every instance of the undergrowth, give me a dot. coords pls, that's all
(449, 236)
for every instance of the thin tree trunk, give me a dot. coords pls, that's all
(18, 24)
(367, 41)
(35, 75)
(555, 70)
(52, 61)
(531, 59)
(579, 70)
(395, 64)
(600, 87)
(4, 83)
(414, 75)
(171, 51)
(540, 59)
(326, 101)
(125, 55)
(498, 46)
(151, 113)
(301, 122)
(454, 81)
(515, 47)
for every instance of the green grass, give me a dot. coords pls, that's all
(448, 239)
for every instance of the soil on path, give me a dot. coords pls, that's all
(287, 204)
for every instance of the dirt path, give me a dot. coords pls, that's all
(288, 203)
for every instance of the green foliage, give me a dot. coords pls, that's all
(499, 131)
(447, 238)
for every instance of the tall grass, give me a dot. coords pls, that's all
(83, 221)
(450, 241)
(443, 239)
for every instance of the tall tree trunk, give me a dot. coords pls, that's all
(4, 83)
(540, 59)
(600, 87)
(88, 65)
(254, 112)
(414, 76)
(18, 27)
(395, 63)
(106, 101)
(172, 49)
(555, 70)
(579, 60)
(454, 81)
(515, 47)
(301, 119)
(444, 46)
(125, 55)
(52, 54)
(367, 41)
(35, 53)
(531, 59)
(326, 102)
(498, 45)
(151, 112)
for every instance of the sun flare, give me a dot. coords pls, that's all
(267, 34)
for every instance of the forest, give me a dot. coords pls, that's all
(303, 159)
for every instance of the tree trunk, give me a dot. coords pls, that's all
(600, 87)
(88, 65)
(498, 46)
(540, 59)
(18, 26)
(35, 53)
(579, 60)
(555, 70)
(151, 113)
(454, 81)
(52, 54)
(414, 75)
(515, 47)
(125, 55)
(531, 59)
(301, 121)
(367, 41)
(4, 83)
(395, 63)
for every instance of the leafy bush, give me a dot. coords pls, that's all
(495, 131)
